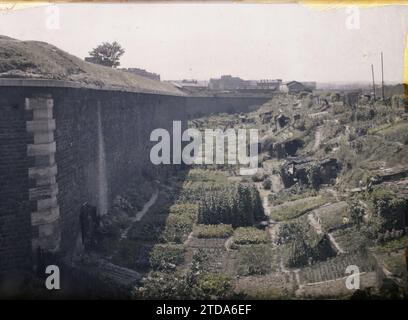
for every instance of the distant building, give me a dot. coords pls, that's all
(269, 84)
(293, 87)
(190, 85)
(143, 73)
(228, 82)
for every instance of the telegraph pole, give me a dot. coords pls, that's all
(382, 76)
(372, 73)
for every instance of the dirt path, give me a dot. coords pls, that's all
(299, 292)
(318, 138)
(273, 228)
(264, 196)
(273, 233)
(139, 215)
(315, 223)
(265, 204)
(335, 244)
(277, 184)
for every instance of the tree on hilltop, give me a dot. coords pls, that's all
(106, 54)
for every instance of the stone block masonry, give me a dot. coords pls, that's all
(45, 214)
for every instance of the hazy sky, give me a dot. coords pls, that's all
(252, 41)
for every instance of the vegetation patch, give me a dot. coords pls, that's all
(351, 239)
(288, 231)
(249, 235)
(213, 285)
(296, 208)
(302, 245)
(177, 229)
(179, 223)
(213, 231)
(185, 208)
(334, 216)
(238, 204)
(163, 285)
(396, 132)
(255, 260)
(396, 264)
(393, 245)
(290, 195)
(305, 251)
(388, 211)
(166, 257)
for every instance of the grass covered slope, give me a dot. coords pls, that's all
(40, 60)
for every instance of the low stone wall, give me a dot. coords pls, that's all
(336, 288)
(43, 191)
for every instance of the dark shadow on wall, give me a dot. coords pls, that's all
(115, 261)
(116, 254)
(126, 121)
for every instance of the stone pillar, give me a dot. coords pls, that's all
(45, 216)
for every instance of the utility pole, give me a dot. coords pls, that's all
(372, 73)
(382, 77)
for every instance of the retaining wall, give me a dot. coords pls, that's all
(61, 147)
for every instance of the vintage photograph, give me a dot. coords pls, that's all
(203, 151)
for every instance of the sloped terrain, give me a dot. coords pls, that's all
(40, 60)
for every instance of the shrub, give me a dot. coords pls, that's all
(213, 231)
(394, 245)
(328, 148)
(250, 235)
(288, 231)
(185, 208)
(356, 212)
(337, 109)
(237, 204)
(163, 285)
(313, 176)
(166, 256)
(177, 228)
(389, 208)
(255, 260)
(257, 177)
(213, 285)
(345, 117)
(365, 114)
(300, 125)
(303, 251)
(297, 208)
(267, 184)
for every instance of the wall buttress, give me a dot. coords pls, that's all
(45, 215)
